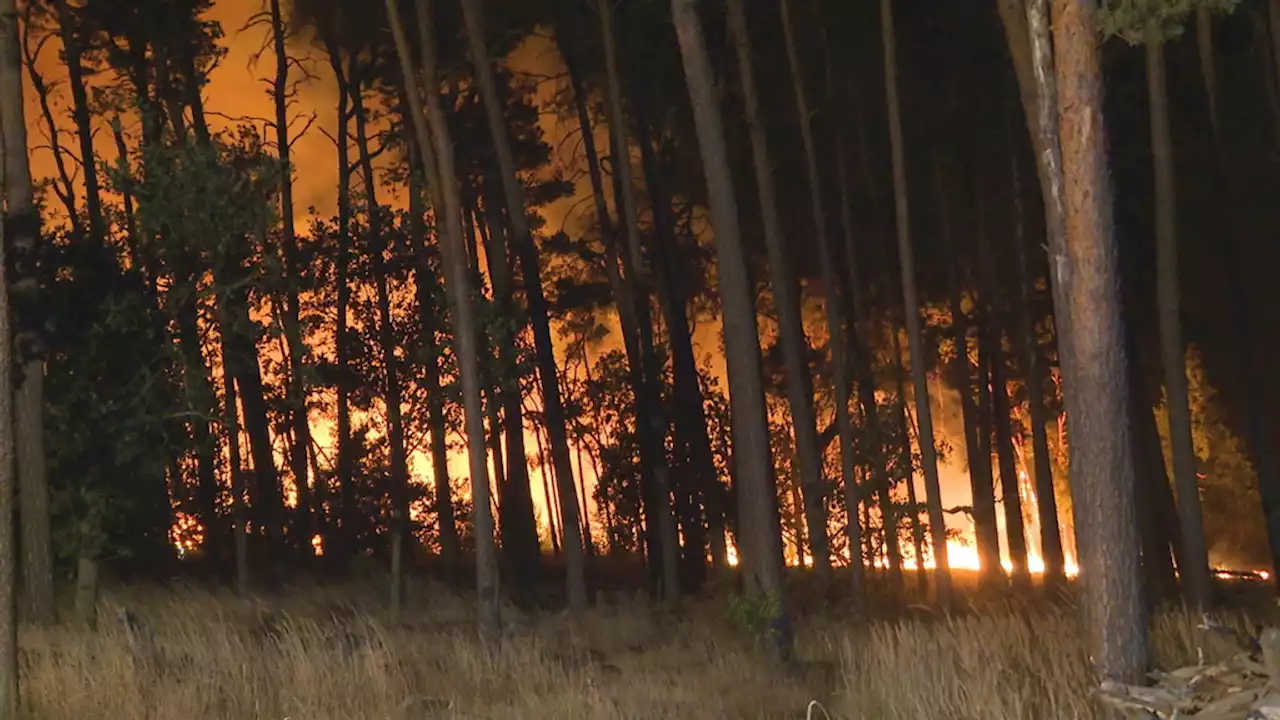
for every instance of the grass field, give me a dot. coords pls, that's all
(328, 654)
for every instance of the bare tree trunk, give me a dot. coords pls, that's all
(1094, 361)
(442, 182)
(786, 300)
(10, 113)
(908, 467)
(28, 404)
(1046, 497)
(239, 504)
(652, 435)
(399, 491)
(1194, 569)
(346, 460)
(756, 492)
(430, 315)
(861, 358)
(574, 563)
(986, 528)
(295, 389)
(906, 256)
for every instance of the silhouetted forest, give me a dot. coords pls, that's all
(627, 294)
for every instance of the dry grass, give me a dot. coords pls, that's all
(324, 654)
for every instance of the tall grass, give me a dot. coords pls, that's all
(326, 654)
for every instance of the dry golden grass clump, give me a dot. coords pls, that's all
(331, 655)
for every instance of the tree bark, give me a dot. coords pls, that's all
(28, 399)
(786, 300)
(1194, 569)
(1094, 363)
(924, 413)
(752, 461)
(545, 351)
(10, 113)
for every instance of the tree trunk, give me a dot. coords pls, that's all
(295, 389)
(346, 460)
(28, 404)
(1157, 516)
(10, 113)
(786, 298)
(517, 527)
(1094, 362)
(430, 314)
(1015, 530)
(861, 361)
(1196, 581)
(985, 526)
(652, 428)
(442, 182)
(1046, 498)
(908, 466)
(702, 514)
(756, 493)
(545, 351)
(835, 315)
(239, 504)
(68, 27)
(906, 256)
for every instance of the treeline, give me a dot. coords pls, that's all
(185, 342)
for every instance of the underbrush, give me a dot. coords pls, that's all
(327, 654)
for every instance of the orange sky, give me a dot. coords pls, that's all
(237, 92)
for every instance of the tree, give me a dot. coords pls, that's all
(572, 540)
(786, 292)
(911, 311)
(757, 504)
(1094, 361)
(1151, 23)
(439, 164)
(11, 106)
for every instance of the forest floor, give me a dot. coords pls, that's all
(332, 654)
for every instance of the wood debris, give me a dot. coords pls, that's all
(1245, 686)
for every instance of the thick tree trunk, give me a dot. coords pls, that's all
(906, 257)
(442, 182)
(786, 300)
(756, 493)
(527, 252)
(10, 112)
(1194, 570)
(28, 399)
(1094, 358)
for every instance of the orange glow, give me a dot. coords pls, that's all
(317, 544)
